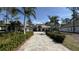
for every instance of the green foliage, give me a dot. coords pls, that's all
(53, 19)
(55, 29)
(57, 37)
(54, 22)
(14, 26)
(11, 41)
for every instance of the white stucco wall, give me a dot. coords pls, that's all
(0, 28)
(76, 29)
(70, 29)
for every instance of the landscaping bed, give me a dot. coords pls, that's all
(57, 37)
(10, 41)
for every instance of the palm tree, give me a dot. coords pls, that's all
(7, 12)
(14, 26)
(28, 12)
(66, 20)
(74, 15)
(5, 9)
(53, 21)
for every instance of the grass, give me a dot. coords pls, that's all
(71, 43)
(10, 41)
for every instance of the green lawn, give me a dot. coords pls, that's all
(71, 43)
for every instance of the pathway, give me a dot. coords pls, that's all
(40, 42)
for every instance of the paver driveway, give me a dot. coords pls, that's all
(40, 42)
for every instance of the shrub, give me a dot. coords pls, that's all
(57, 37)
(13, 40)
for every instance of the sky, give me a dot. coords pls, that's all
(42, 14)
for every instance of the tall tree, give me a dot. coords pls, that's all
(53, 21)
(14, 26)
(28, 12)
(5, 14)
(74, 15)
(65, 21)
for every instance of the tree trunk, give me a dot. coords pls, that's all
(73, 26)
(6, 17)
(24, 25)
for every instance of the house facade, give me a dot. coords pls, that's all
(41, 27)
(69, 26)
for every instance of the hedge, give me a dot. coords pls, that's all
(11, 41)
(56, 36)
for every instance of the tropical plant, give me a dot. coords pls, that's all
(28, 12)
(11, 41)
(9, 13)
(53, 21)
(65, 21)
(74, 15)
(14, 26)
(12, 12)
